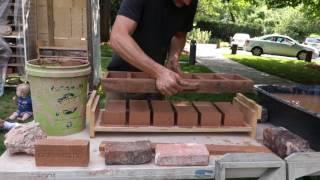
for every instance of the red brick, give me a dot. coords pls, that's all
(181, 155)
(65, 153)
(209, 114)
(187, 116)
(163, 114)
(232, 116)
(128, 153)
(115, 113)
(139, 113)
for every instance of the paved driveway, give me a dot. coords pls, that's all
(213, 58)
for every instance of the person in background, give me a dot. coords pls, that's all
(5, 125)
(24, 103)
(146, 33)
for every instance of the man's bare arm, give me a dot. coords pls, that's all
(177, 44)
(124, 45)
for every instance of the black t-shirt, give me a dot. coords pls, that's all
(157, 22)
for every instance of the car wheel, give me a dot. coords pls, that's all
(257, 51)
(302, 55)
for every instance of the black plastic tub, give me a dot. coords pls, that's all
(299, 120)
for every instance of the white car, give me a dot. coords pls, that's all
(313, 41)
(240, 39)
(279, 45)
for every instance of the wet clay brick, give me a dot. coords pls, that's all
(163, 114)
(224, 149)
(232, 116)
(139, 113)
(65, 153)
(128, 153)
(181, 155)
(209, 114)
(187, 116)
(115, 113)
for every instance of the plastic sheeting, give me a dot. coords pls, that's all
(5, 53)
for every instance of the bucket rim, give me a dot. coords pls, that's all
(86, 64)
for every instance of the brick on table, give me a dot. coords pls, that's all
(181, 155)
(139, 113)
(163, 114)
(128, 153)
(64, 153)
(232, 115)
(187, 115)
(115, 113)
(209, 114)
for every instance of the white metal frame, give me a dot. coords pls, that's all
(303, 164)
(265, 166)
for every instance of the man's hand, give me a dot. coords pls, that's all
(174, 66)
(170, 83)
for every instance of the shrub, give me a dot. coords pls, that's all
(199, 36)
(226, 30)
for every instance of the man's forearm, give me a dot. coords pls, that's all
(177, 44)
(125, 46)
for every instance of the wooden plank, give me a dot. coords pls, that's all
(251, 103)
(69, 42)
(76, 23)
(250, 115)
(51, 24)
(89, 104)
(100, 128)
(93, 115)
(62, 19)
(62, 48)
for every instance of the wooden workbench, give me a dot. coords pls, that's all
(23, 167)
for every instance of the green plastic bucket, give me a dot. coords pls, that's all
(59, 94)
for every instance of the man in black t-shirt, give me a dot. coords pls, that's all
(148, 32)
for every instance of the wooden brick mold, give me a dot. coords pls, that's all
(64, 153)
(163, 114)
(200, 117)
(115, 113)
(139, 113)
(139, 82)
(232, 116)
(187, 115)
(209, 114)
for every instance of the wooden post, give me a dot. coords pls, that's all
(50, 22)
(105, 14)
(89, 41)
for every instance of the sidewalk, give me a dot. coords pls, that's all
(213, 58)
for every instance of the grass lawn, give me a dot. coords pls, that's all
(7, 106)
(294, 70)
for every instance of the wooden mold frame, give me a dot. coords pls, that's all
(139, 82)
(252, 112)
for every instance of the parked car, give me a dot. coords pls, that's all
(279, 45)
(239, 39)
(313, 41)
